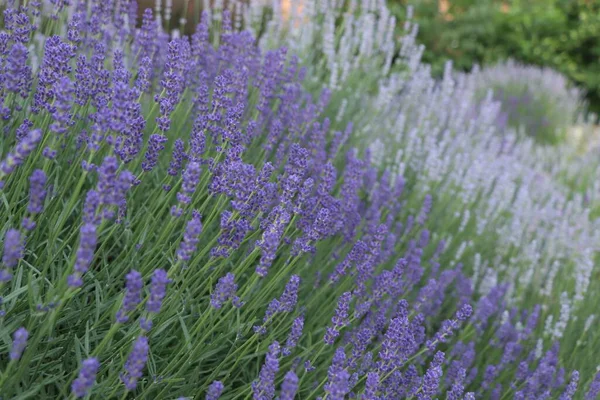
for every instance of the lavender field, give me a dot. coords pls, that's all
(286, 204)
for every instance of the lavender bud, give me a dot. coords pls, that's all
(19, 343)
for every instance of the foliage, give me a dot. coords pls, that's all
(271, 207)
(560, 34)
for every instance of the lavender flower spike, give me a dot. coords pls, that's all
(19, 343)
(214, 390)
(339, 318)
(13, 251)
(264, 388)
(21, 151)
(133, 293)
(37, 192)
(371, 386)
(294, 336)
(289, 298)
(158, 290)
(190, 238)
(87, 375)
(289, 387)
(225, 290)
(135, 363)
(156, 144)
(85, 254)
(571, 387)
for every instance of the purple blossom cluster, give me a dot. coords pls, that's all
(145, 127)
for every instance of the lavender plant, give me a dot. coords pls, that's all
(536, 101)
(194, 217)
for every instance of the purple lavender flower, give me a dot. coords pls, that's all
(294, 336)
(179, 156)
(18, 73)
(55, 64)
(427, 203)
(173, 81)
(23, 129)
(135, 363)
(214, 390)
(85, 254)
(156, 144)
(271, 238)
(264, 387)
(61, 109)
(191, 177)
(457, 389)
(225, 290)
(289, 387)
(433, 375)
(339, 320)
(21, 151)
(37, 191)
(289, 298)
(371, 386)
(190, 240)
(13, 248)
(594, 389)
(87, 375)
(142, 83)
(90, 207)
(337, 385)
(571, 387)
(158, 290)
(19, 343)
(133, 295)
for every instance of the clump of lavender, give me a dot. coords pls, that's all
(439, 207)
(85, 380)
(538, 101)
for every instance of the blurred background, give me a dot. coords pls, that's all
(561, 34)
